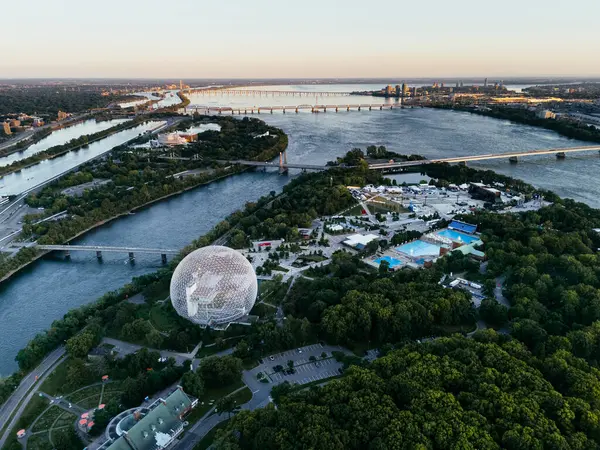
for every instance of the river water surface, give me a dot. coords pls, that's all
(60, 137)
(45, 291)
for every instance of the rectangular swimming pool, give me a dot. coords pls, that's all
(457, 236)
(393, 262)
(419, 248)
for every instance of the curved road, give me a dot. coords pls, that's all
(23, 391)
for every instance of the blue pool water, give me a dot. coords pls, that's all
(419, 248)
(393, 262)
(457, 236)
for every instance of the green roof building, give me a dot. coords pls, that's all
(151, 428)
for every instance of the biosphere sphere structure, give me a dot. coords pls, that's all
(214, 286)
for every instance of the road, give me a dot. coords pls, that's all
(261, 391)
(23, 395)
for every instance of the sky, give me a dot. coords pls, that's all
(299, 39)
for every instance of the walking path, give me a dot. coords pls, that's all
(26, 390)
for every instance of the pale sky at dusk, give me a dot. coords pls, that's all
(310, 38)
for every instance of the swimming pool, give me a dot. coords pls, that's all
(419, 248)
(457, 236)
(393, 262)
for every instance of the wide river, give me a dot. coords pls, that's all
(44, 292)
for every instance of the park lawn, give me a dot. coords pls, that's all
(34, 408)
(313, 258)
(241, 397)
(163, 317)
(39, 442)
(354, 211)
(56, 383)
(66, 419)
(47, 419)
(90, 395)
(211, 396)
(208, 439)
(273, 291)
(69, 436)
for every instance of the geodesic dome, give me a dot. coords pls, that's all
(214, 286)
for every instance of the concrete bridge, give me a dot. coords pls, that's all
(272, 93)
(320, 108)
(67, 249)
(513, 157)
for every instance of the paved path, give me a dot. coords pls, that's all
(498, 291)
(23, 395)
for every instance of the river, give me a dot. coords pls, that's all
(17, 182)
(49, 288)
(60, 137)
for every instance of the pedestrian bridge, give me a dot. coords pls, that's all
(99, 249)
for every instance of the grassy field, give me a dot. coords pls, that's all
(89, 397)
(34, 408)
(57, 382)
(273, 291)
(47, 419)
(210, 397)
(39, 442)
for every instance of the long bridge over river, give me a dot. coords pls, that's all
(266, 93)
(513, 157)
(317, 108)
(99, 249)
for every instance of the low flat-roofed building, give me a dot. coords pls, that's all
(359, 241)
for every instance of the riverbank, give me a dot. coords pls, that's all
(567, 128)
(59, 150)
(28, 255)
(41, 254)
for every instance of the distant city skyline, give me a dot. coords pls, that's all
(317, 39)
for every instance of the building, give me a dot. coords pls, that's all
(359, 241)
(37, 122)
(482, 192)
(214, 286)
(171, 139)
(150, 428)
(62, 115)
(389, 90)
(545, 114)
(6, 127)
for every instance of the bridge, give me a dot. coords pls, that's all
(318, 108)
(511, 156)
(67, 249)
(263, 93)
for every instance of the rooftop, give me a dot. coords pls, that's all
(158, 427)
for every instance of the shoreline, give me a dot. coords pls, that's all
(64, 152)
(126, 213)
(13, 272)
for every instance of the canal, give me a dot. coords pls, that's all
(60, 137)
(49, 288)
(17, 182)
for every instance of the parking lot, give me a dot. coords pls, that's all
(306, 370)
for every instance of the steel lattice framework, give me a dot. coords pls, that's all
(214, 286)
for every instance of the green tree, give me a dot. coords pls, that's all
(220, 371)
(226, 405)
(192, 383)
(79, 345)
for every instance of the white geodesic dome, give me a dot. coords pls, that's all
(214, 286)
